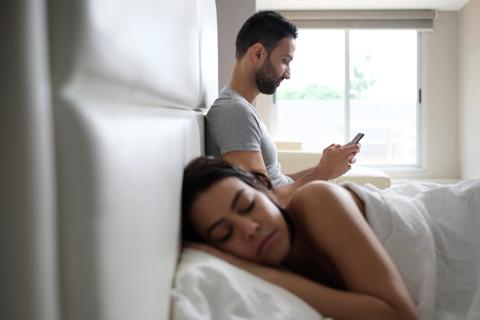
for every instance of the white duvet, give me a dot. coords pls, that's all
(432, 233)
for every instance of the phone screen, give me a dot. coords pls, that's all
(356, 139)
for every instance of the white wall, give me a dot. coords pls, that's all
(469, 95)
(442, 160)
(231, 16)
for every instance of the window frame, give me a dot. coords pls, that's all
(268, 109)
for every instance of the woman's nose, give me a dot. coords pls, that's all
(249, 228)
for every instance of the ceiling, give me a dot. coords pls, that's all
(444, 5)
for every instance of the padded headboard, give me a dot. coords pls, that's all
(108, 110)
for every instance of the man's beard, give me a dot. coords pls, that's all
(265, 78)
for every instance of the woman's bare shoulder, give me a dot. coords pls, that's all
(322, 196)
(315, 190)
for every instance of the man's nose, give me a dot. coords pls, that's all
(286, 75)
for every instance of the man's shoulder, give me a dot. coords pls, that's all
(229, 105)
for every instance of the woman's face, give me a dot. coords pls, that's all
(234, 217)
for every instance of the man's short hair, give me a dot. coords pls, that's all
(265, 27)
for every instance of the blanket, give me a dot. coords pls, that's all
(432, 233)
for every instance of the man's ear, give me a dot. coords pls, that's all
(258, 53)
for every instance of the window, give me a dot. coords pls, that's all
(349, 81)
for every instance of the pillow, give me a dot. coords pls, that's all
(207, 287)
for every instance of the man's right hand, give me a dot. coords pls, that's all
(336, 160)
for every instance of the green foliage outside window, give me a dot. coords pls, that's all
(310, 92)
(359, 84)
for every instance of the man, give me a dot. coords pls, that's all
(265, 46)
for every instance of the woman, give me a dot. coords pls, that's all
(320, 246)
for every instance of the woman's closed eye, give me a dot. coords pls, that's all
(248, 207)
(222, 232)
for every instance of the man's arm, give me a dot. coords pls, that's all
(253, 161)
(247, 160)
(334, 162)
(295, 176)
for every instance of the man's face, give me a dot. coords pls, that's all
(276, 66)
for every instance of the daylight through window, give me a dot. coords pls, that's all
(349, 81)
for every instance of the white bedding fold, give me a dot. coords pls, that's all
(432, 233)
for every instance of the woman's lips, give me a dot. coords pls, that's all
(266, 243)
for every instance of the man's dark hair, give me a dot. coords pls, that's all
(265, 27)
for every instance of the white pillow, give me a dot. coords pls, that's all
(207, 287)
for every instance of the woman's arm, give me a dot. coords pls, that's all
(335, 225)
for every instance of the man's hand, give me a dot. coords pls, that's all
(336, 160)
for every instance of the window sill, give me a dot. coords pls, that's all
(295, 161)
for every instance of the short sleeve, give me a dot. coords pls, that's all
(234, 127)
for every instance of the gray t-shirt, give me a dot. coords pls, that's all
(233, 124)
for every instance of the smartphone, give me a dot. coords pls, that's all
(356, 139)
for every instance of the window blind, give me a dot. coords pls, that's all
(421, 20)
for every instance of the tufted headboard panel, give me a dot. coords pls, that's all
(119, 184)
(105, 109)
(161, 53)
